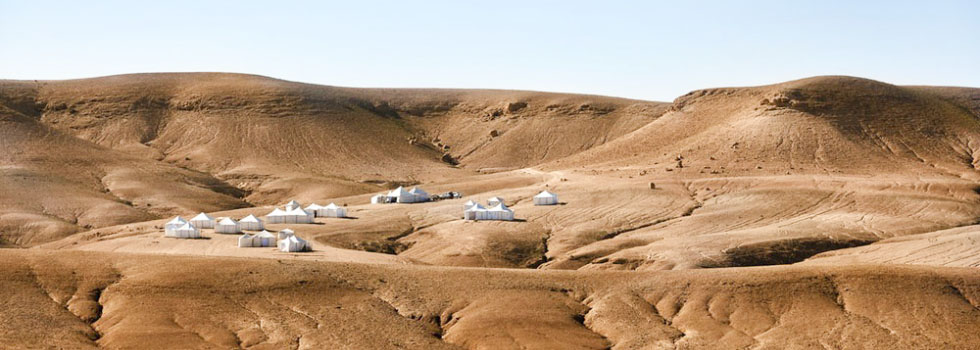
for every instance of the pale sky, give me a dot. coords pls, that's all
(638, 49)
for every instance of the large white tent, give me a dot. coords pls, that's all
(251, 223)
(314, 209)
(245, 240)
(294, 244)
(286, 233)
(227, 225)
(545, 198)
(332, 211)
(401, 195)
(500, 212)
(264, 239)
(172, 225)
(277, 216)
(202, 220)
(493, 201)
(292, 205)
(187, 231)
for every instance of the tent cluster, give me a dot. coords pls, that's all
(401, 195)
(546, 198)
(329, 211)
(286, 241)
(497, 211)
(180, 228)
(293, 214)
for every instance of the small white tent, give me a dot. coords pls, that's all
(251, 223)
(277, 216)
(545, 198)
(227, 225)
(475, 212)
(333, 211)
(493, 201)
(202, 220)
(468, 204)
(294, 244)
(298, 216)
(314, 209)
(187, 231)
(264, 239)
(169, 229)
(419, 194)
(286, 233)
(292, 205)
(500, 212)
(245, 240)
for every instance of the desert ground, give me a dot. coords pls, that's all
(823, 213)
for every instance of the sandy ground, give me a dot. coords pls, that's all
(828, 212)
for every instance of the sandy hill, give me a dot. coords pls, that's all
(268, 140)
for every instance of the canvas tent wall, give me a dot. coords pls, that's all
(202, 220)
(475, 212)
(294, 244)
(187, 231)
(419, 194)
(493, 201)
(169, 229)
(264, 239)
(251, 223)
(227, 225)
(545, 198)
(332, 211)
(245, 240)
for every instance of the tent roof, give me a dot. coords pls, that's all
(416, 190)
(177, 220)
(293, 202)
(227, 221)
(544, 194)
(500, 207)
(298, 211)
(202, 217)
(247, 235)
(469, 202)
(331, 206)
(187, 226)
(476, 207)
(286, 231)
(398, 192)
(249, 218)
(313, 206)
(265, 233)
(276, 212)
(495, 198)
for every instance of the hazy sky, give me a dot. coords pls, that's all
(639, 49)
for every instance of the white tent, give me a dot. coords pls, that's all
(292, 205)
(264, 239)
(314, 209)
(468, 204)
(251, 223)
(298, 216)
(378, 199)
(277, 216)
(420, 195)
(245, 240)
(187, 231)
(493, 201)
(227, 225)
(475, 212)
(169, 229)
(332, 211)
(500, 212)
(294, 244)
(202, 220)
(545, 198)
(286, 233)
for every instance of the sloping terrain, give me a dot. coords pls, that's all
(272, 140)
